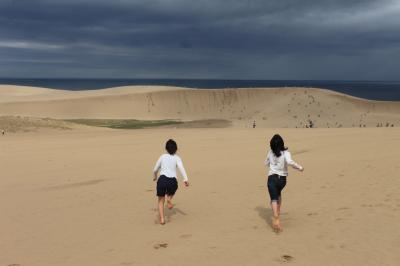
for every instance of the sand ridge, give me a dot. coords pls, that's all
(85, 197)
(271, 107)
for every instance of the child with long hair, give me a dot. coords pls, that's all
(278, 159)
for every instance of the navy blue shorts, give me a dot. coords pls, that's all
(275, 185)
(166, 186)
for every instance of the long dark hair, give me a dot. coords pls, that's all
(277, 145)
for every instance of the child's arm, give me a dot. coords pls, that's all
(183, 172)
(288, 158)
(155, 175)
(156, 168)
(267, 162)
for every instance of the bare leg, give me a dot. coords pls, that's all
(169, 201)
(161, 201)
(275, 209)
(279, 205)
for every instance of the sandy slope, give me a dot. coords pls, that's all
(14, 124)
(86, 198)
(269, 107)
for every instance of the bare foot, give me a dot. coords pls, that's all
(276, 225)
(169, 204)
(162, 221)
(279, 228)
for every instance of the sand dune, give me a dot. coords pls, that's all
(272, 107)
(13, 124)
(86, 198)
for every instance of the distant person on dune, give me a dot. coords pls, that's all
(167, 183)
(278, 159)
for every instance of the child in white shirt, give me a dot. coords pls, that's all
(166, 181)
(278, 159)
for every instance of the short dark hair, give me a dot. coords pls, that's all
(171, 146)
(277, 145)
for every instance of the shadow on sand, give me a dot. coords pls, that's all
(265, 214)
(175, 211)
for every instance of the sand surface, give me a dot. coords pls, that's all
(86, 198)
(272, 107)
(76, 195)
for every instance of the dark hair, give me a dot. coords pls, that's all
(171, 146)
(277, 145)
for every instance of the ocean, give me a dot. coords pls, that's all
(373, 90)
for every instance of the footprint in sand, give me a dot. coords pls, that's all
(160, 245)
(149, 190)
(287, 258)
(13, 264)
(185, 236)
(312, 213)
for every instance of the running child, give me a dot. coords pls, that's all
(278, 159)
(166, 182)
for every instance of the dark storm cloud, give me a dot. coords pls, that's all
(213, 38)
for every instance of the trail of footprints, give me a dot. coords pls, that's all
(163, 245)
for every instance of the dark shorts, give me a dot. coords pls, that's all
(275, 185)
(166, 186)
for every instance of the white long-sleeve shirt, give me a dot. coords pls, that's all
(278, 165)
(168, 164)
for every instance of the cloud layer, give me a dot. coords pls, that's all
(244, 39)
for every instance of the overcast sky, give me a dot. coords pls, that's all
(231, 39)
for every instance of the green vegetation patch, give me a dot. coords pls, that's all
(124, 123)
